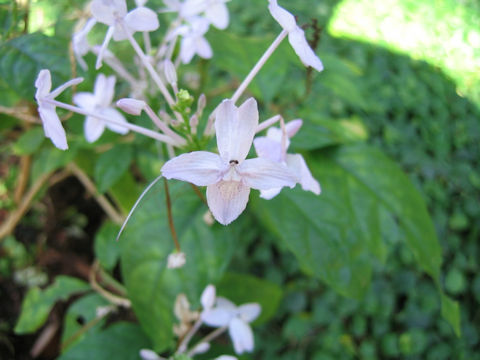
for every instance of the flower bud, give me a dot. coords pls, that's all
(170, 72)
(176, 260)
(131, 106)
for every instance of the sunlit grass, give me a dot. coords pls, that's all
(445, 33)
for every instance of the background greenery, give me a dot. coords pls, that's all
(401, 76)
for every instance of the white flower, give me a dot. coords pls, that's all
(274, 147)
(226, 357)
(114, 14)
(237, 319)
(100, 103)
(80, 43)
(193, 40)
(215, 11)
(147, 354)
(229, 176)
(51, 123)
(296, 36)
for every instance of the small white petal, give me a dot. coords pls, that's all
(216, 317)
(142, 19)
(187, 49)
(104, 89)
(270, 193)
(131, 106)
(85, 100)
(43, 83)
(224, 303)
(283, 17)
(203, 48)
(192, 7)
(115, 115)
(106, 11)
(93, 128)
(201, 348)
(217, 14)
(208, 297)
(249, 312)
(293, 126)
(176, 260)
(241, 335)
(170, 71)
(147, 354)
(227, 200)
(263, 174)
(297, 164)
(235, 129)
(226, 357)
(199, 167)
(303, 49)
(268, 149)
(53, 127)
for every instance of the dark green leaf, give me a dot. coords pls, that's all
(50, 158)
(243, 288)
(107, 249)
(38, 303)
(146, 244)
(30, 141)
(22, 58)
(122, 341)
(111, 165)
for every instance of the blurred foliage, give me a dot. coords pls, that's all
(367, 95)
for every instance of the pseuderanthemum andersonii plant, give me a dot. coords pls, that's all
(228, 173)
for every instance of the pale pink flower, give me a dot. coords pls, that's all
(296, 36)
(274, 147)
(229, 176)
(100, 103)
(193, 40)
(52, 125)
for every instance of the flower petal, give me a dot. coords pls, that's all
(218, 15)
(142, 19)
(187, 49)
(235, 129)
(199, 167)
(104, 89)
(85, 100)
(227, 200)
(249, 312)
(297, 164)
(93, 128)
(43, 83)
(241, 335)
(114, 115)
(53, 127)
(263, 174)
(106, 11)
(303, 49)
(270, 193)
(216, 317)
(283, 17)
(224, 303)
(208, 297)
(203, 48)
(268, 149)
(147, 354)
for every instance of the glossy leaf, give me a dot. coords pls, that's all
(37, 303)
(146, 244)
(107, 250)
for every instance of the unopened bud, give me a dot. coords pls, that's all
(176, 260)
(201, 103)
(131, 106)
(194, 121)
(201, 348)
(170, 72)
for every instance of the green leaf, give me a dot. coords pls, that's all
(22, 58)
(50, 158)
(242, 288)
(146, 244)
(79, 314)
(111, 165)
(366, 202)
(451, 313)
(29, 142)
(121, 341)
(107, 250)
(37, 303)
